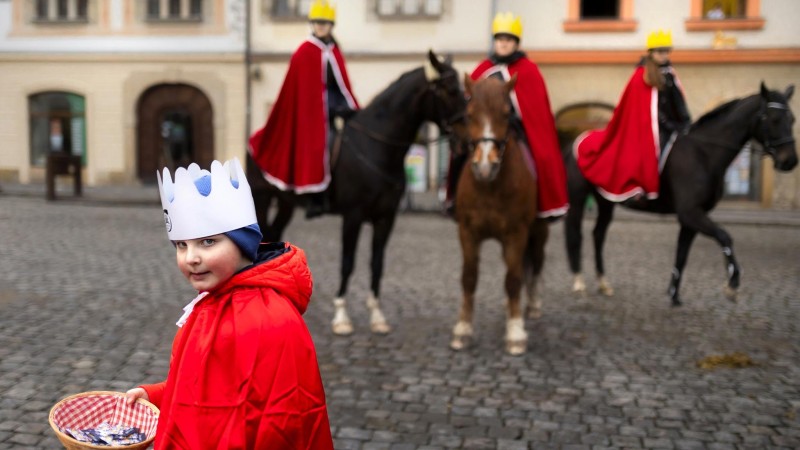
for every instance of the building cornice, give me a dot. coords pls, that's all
(225, 58)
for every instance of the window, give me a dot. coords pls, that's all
(743, 177)
(717, 15)
(174, 10)
(61, 11)
(290, 9)
(599, 16)
(57, 124)
(599, 9)
(409, 9)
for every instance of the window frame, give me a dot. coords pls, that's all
(752, 19)
(398, 15)
(166, 12)
(52, 11)
(63, 116)
(623, 24)
(269, 8)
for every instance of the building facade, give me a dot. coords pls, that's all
(137, 84)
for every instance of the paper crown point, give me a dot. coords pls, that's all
(225, 204)
(659, 39)
(322, 10)
(507, 23)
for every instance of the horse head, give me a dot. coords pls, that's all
(774, 127)
(446, 103)
(488, 123)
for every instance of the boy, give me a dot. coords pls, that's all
(243, 372)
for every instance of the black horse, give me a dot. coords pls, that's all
(368, 175)
(692, 181)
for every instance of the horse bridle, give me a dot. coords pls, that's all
(500, 144)
(770, 146)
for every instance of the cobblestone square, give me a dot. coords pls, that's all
(89, 295)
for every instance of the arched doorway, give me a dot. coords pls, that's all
(175, 127)
(574, 119)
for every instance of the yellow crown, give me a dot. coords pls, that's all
(659, 39)
(507, 23)
(322, 10)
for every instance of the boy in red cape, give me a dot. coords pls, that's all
(532, 113)
(243, 372)
(292, 148)
(623, 161)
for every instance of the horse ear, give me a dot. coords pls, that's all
(433, 67)
(510, 84)
(764, 90)
(468, 84)
(448, 59)
(789, 92)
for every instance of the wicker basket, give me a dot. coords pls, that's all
(89, 409)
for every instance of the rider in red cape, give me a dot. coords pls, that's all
(532, 107)
(623, 160)
(292, 148)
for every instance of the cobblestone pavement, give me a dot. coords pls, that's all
(89, 295)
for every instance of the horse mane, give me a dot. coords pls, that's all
(389, 95)
(718, 111)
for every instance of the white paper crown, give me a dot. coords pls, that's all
(188, 214)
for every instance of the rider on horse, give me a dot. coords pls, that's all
(625, 159)
(532, 117)
(292, 148)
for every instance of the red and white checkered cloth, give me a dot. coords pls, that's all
(91, 410)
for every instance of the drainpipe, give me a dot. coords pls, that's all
(492, 13)
(248, 61)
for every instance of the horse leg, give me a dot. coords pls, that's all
(605, 213)
(513, 250)
(534, 263)
(381, 230)
(261, 201)
(685, 239)
(351, 227)
(699, 220)
(574, 236)
(282, 218)
(470, 250)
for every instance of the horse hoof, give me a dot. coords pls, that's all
(606, 291)
(730, 293)
(534, 313)
(343, 328)
(516, 348)
(676, 303)
(380, 328)
(459, 343)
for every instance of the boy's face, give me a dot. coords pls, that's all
(504, 45)
(321, 28)
(209, 261)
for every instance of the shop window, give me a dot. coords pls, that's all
(717, 15)
(57, 124)
(599, 16)
(743, 177)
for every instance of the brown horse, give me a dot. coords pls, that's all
(496, 199)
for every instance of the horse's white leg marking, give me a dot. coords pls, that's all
(579, 285)
(516, 336)
(377, 322)
(341, 321)
(604, 287)
(461, 334)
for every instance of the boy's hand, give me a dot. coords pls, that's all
(135, 393)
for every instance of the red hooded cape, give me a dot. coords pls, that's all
(533, 105)
(291, 148)
(622, 159)
(243, 372)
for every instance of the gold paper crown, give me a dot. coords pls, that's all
(322, 10)
(659, 39)
(507, 23)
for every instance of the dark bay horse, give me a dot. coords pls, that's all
(692, 181)
(496, 199)
(368, 176)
